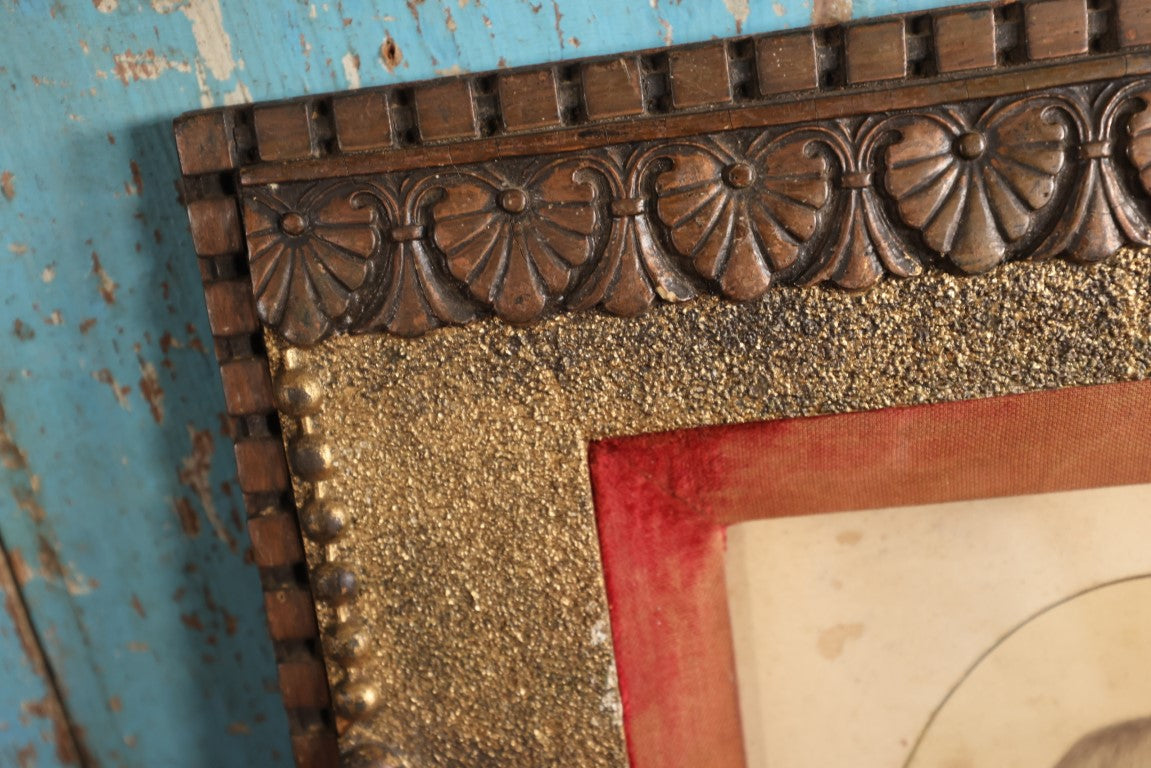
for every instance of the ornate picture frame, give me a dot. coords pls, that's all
(428, 300)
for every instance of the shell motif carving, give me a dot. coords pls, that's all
(516, 245)
(847, 202)
(309, 255)
(742, 217)
(973, 191)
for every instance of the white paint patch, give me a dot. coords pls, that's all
(212, 41)
(739, 10)
(238, 95)
(454, 69)
(351, 64)
(599, 632)
(49, 273)
(206, 100)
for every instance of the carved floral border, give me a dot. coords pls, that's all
(1062, 172)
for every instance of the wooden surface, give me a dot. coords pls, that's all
(154, 619)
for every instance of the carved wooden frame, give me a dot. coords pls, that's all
(945, 142)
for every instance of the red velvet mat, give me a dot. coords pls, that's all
(663, 503)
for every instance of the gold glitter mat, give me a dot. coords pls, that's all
(461, 458)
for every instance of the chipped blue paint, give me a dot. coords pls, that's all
(26, 731)
(152, 621)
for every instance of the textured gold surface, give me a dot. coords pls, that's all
(462, 459)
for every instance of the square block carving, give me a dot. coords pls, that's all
(877, 52)
(965, 40)
(1056, 28)
(529, 100)
(446, 111)
(699, 77)
(612, 88)
(787, 63)
(362, 121)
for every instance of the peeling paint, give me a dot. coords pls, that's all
(11, 455)
(831, 12)
(195, 472)
(48, 706)
(20, 570)
(22, 330)
(7, 186)
(739, 10)
(238, 95)
(559, 17)
(451, 71)
(151, 390)
(186, 513)
(121, 391)
(137, 178)
(351, 64)
(212, 40)
(107, 285)
(106, 6)
(132, 67)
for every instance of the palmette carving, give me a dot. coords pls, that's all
(845, 202)
(1103, 216)
(865, 247)
(634, 268)
(413, 295)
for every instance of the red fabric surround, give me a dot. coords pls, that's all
(663, 502)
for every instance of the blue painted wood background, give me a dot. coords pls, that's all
(121, 515)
